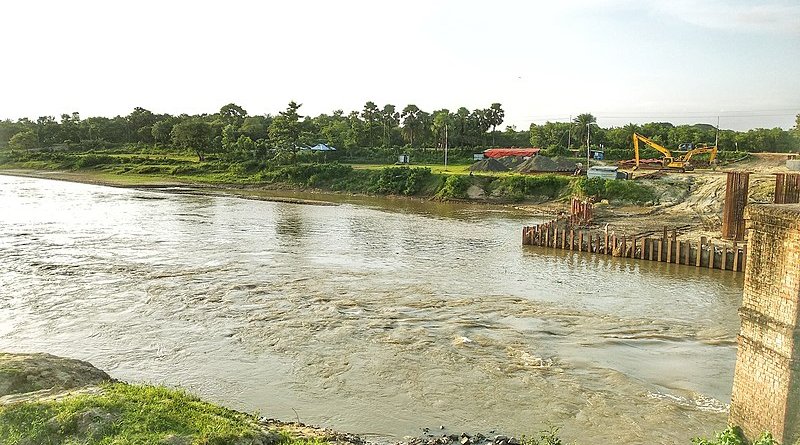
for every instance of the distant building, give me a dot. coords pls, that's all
(319, 147)
(503, 152)
(606, 172)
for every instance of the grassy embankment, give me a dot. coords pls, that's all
(427, 180)
(101, 412)
(129, 414)
(46, 399)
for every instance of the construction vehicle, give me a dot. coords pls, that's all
(701, 149)
(668, 161)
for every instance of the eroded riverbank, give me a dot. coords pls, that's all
(376, 320)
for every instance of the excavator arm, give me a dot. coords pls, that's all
(700, 150)
(668, 159)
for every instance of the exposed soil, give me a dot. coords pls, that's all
(488, 165)
(544, 164)
(27, 373)
(691, 202)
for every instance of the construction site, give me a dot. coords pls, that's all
(698, 218)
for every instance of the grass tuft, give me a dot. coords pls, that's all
(128, 414)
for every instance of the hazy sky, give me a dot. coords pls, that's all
(622, 60)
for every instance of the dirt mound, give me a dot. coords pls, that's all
(761, 163)
(511, 162)
(23, 373)
(488, 165)
(544, 164)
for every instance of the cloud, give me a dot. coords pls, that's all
(775, 17)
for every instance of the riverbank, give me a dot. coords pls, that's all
(689, 201)
(49, 399)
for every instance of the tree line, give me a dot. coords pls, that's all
(234, 132)
(559, 136)
(232, 129)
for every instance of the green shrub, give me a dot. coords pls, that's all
(614, 190)
(399, 180)
(732, 436)
(311, 175)
(517, 187)
(454, 186)
(152, 170)
(93, 160)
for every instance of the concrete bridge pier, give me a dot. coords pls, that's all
(766, 385)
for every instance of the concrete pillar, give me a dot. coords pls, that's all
(766, 384)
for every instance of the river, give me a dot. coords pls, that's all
(374, 316)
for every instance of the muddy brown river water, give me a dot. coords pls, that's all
(374, 316)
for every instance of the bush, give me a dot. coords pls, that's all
(152, 170)
(732, 436)
(93, 160)
(517, 187)
(614, 190)
(312, 175)
(399, 180)
(454, 186)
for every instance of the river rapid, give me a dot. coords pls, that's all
(376, 316)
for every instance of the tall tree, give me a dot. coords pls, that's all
(582, 122)
(552, 136)
(162, 129)
(441, 125)
(462, 118)
(48, 131)
(480, 124)
(495, 115)
(24, 140)
(411, 122)
(232, 114)
(256, 127)
(390, 119)
(70, 127)
(140, 125)
(371, 116)
(797, 126)
(193, 134)
(284, 131)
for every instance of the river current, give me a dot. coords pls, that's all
(374, 316)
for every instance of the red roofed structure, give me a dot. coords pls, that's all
(503, 152)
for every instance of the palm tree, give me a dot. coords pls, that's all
(410, 116)
(581, 122)
(495, 114)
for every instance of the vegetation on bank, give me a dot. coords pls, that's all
(130, 414)
(98, 411)
(333, 176)
(733, 436)
(233, 147)
(377, 133)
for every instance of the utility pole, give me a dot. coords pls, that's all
(716, 138)
(588, 131)
(569, 132)
(445, 145)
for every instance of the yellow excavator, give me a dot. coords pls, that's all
(668, 161)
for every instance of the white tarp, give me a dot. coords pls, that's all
(321, 147)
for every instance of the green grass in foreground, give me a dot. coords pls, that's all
(128, 414)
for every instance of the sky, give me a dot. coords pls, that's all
(679, 61)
